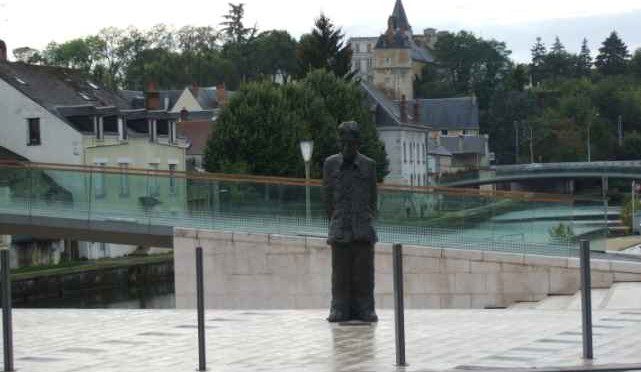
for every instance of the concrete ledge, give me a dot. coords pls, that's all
(281, 272)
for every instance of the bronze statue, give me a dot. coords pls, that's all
(349, 185)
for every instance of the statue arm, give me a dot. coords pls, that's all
(374, 192)
(328, 190)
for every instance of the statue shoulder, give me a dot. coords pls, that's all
(332, 160)
(367, 160)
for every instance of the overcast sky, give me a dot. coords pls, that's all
(36, 22)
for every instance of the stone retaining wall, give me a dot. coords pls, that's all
(261, 271)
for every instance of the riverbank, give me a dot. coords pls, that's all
(94, 283)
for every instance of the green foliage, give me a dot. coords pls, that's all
(324, 48)
(631, 147)
(281, 116)
(467, 65)
(562, 233)
(613, 56)
(626, 211)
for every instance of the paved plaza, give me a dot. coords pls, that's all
(165, 340)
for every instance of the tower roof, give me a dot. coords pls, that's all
(400, 16)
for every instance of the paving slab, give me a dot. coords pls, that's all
(65, 340)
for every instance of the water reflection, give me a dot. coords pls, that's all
(158, 295)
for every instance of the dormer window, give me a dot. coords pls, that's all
(85, 96)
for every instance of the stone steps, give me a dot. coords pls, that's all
(621, 296)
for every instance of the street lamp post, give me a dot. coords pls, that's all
(306, 150)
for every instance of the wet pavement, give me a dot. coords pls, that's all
(301, 340)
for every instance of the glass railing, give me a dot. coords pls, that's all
(614, 169)
(438, 217)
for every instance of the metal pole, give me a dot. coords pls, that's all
(399, 308)
(202, 359)
(7, 324)
(620, 131)
(531, 145)
(586, 299)
(516, 142)
(633, 192)
(589, 146)
(308, 210)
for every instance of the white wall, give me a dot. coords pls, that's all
(60, 143)
(401, 171)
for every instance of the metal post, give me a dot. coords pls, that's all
(516, 142)
(202, 359)
(620, 130)
(531, 145)
(308, 208)
(399, 308)
(632, 195)
(586, 299)
(589, 142)
(7, 324)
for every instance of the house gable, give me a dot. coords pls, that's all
(186, 101)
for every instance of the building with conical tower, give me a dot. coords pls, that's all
(393, 60)
(425, 139)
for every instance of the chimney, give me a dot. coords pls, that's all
(221, 95)
(416, 112)
(152, 97)
(403, 107)
(3, 51)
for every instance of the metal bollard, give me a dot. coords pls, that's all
(586, 299)
(202, 359)
(7, 324)
(399, 307)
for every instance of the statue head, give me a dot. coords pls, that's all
(349, 135)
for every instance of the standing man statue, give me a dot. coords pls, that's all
(349, 186)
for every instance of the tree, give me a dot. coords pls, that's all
(635, 63)
(472, 65)
(263, 113)
(632, 147)
(558, 63)
(584, 61)
(238, 42)
(276, 54)
(537, 68)
(234, 29)
(613, 56)
(324, 48)
(193, 39)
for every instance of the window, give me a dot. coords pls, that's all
(153, 187)
(369, 48)
(388, 61)
(172, 179)
(404, 153)
(411, 153)
(124, 180)
(99, 127)
(33, 128)
(99, 183)
(358, 47)
(152, 130)
(444, 132)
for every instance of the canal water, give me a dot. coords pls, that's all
(158, 295)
